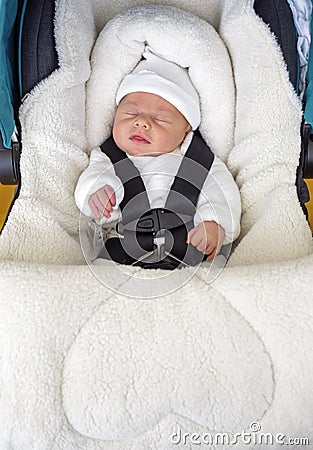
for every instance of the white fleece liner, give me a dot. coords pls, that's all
(82, 367)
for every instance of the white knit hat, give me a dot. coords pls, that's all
(170, 81)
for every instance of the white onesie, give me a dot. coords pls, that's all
(218, 201)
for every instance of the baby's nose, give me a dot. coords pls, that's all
(142, 121)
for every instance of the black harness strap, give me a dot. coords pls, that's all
(130, 177)
(190, 177)
(177, 215)
(188, 181)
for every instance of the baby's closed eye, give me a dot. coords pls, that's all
(162, 119)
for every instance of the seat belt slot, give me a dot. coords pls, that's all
(307, 142)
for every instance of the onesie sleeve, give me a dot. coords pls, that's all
(219, 201)
(99, 173)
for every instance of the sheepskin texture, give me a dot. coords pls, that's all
(85, 366)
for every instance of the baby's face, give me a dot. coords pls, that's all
(146, 124)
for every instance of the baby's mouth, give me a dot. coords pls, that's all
(139, 139)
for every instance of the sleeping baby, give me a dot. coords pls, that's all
(158, 111)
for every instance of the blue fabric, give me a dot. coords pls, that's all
(20, 37)
(302, 11)
(8, 12)
(308, 110)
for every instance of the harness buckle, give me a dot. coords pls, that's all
(163, 241)
(158, 253)
(154, 221)
(158, 240)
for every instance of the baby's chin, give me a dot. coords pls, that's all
(141, 152)
(145, 154)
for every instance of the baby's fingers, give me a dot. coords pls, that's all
(197, 239)
(193, 236)
(210, 252)
(190, 235)
(99, 203)
(94, 207)
(110, 195)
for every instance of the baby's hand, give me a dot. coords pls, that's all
(102, 201)
(208, 237)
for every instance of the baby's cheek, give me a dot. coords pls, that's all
(115, 133)
(119, 139)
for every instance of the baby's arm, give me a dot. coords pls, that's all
(98, 175)
(218, 214)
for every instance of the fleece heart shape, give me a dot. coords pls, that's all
(136, 362)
